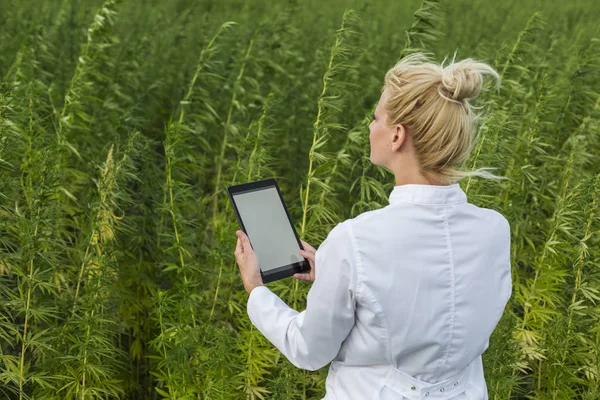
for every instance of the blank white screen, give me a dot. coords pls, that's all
(268, 228)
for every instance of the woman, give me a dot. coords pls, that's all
(404, 298)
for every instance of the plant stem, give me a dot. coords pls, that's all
(221, 158)
(25, 325)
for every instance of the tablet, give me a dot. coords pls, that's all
(265, 219)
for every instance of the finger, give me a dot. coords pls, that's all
(303, 277)
(307, 254)
(307, 246)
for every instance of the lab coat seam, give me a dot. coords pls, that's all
(366, 291)
(384, 331)
(357, 262)
(452, 290)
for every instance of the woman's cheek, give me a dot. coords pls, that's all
(372, 129)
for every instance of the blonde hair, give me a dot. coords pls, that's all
(432, 102)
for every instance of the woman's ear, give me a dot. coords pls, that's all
(399, 137)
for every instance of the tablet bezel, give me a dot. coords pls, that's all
(286, 270)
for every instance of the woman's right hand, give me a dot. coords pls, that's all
(308, 253)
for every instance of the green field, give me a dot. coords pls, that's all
(123, 122)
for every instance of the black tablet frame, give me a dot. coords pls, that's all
(286, 270)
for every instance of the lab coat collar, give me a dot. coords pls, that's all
(427, 194)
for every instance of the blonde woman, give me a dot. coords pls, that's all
(404, 298)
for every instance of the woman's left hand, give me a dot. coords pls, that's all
(247, 260)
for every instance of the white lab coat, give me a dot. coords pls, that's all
(404, 301)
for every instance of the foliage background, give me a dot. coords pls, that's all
(123, 122)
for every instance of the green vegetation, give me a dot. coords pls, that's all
(123, 122)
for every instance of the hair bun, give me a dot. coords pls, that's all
(463, 80)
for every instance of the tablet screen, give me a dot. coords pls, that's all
(268, 228)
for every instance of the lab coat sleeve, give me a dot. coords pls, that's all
(312, 338)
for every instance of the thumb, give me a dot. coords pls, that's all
(238, 247)
(244, 240)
